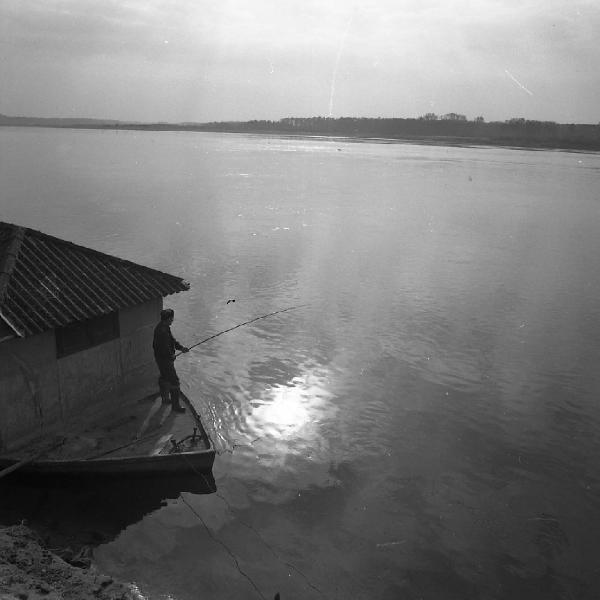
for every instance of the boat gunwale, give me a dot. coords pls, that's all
(160, 461)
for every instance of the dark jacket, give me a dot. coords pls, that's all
(164, 344)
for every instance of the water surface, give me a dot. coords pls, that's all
(427, 427)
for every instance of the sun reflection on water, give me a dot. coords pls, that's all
(294, 409)
(286, 408)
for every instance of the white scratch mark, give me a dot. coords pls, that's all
(337, 63)
(518, 82)
(388, 544)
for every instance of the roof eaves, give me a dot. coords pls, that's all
(102, 281)
(9, 260)
(17, 331)
(174, 281)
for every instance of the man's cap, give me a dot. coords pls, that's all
(166, 313)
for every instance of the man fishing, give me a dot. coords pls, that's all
(164, 345)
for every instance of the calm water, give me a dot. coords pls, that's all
(427, 427)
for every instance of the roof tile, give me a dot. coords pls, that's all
(46, 282)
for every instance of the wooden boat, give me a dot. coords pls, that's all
(142, 438)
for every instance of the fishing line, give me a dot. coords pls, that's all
(213, 489)
(225, 546)
(212, 337)
(232, 448)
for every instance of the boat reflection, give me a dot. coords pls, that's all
(89, 511)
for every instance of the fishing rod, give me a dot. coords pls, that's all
(242, 324)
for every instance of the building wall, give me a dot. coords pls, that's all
(39, 393)
(29, 388)
(137, 358)
(86, 378)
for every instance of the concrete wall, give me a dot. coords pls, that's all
(40, 393)
(139, 374)
(89, 377)
(29, 388)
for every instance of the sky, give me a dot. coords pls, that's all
(220, 60)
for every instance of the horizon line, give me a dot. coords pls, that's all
(325, 117)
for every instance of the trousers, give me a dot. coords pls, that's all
(168, 374)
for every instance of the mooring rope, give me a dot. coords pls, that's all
(227, 549)
(213, 489)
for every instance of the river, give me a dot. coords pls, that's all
(426, 424)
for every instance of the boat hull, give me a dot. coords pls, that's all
(179, 463)
(164, 443)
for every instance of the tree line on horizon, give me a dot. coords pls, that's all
(442, 129)
(448, 127)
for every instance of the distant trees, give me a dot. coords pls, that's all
(451, 128)
(453, 117)
(531, 122)
(430, 116)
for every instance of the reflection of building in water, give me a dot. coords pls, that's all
(81, 512)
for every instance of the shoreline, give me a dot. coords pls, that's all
(31, 571)
(426, 140)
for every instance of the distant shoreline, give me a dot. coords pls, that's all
(532, 135)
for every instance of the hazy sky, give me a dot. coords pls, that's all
(199, 60)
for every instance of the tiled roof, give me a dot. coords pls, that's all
(46, 282)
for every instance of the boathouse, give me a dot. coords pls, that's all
(76, 331)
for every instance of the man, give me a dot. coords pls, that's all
(164, 345)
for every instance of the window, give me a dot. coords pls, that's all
(86, 334)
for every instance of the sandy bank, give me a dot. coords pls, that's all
(28, 571)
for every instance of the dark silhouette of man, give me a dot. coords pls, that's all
(164, 345)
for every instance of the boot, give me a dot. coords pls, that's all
(175, 406)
